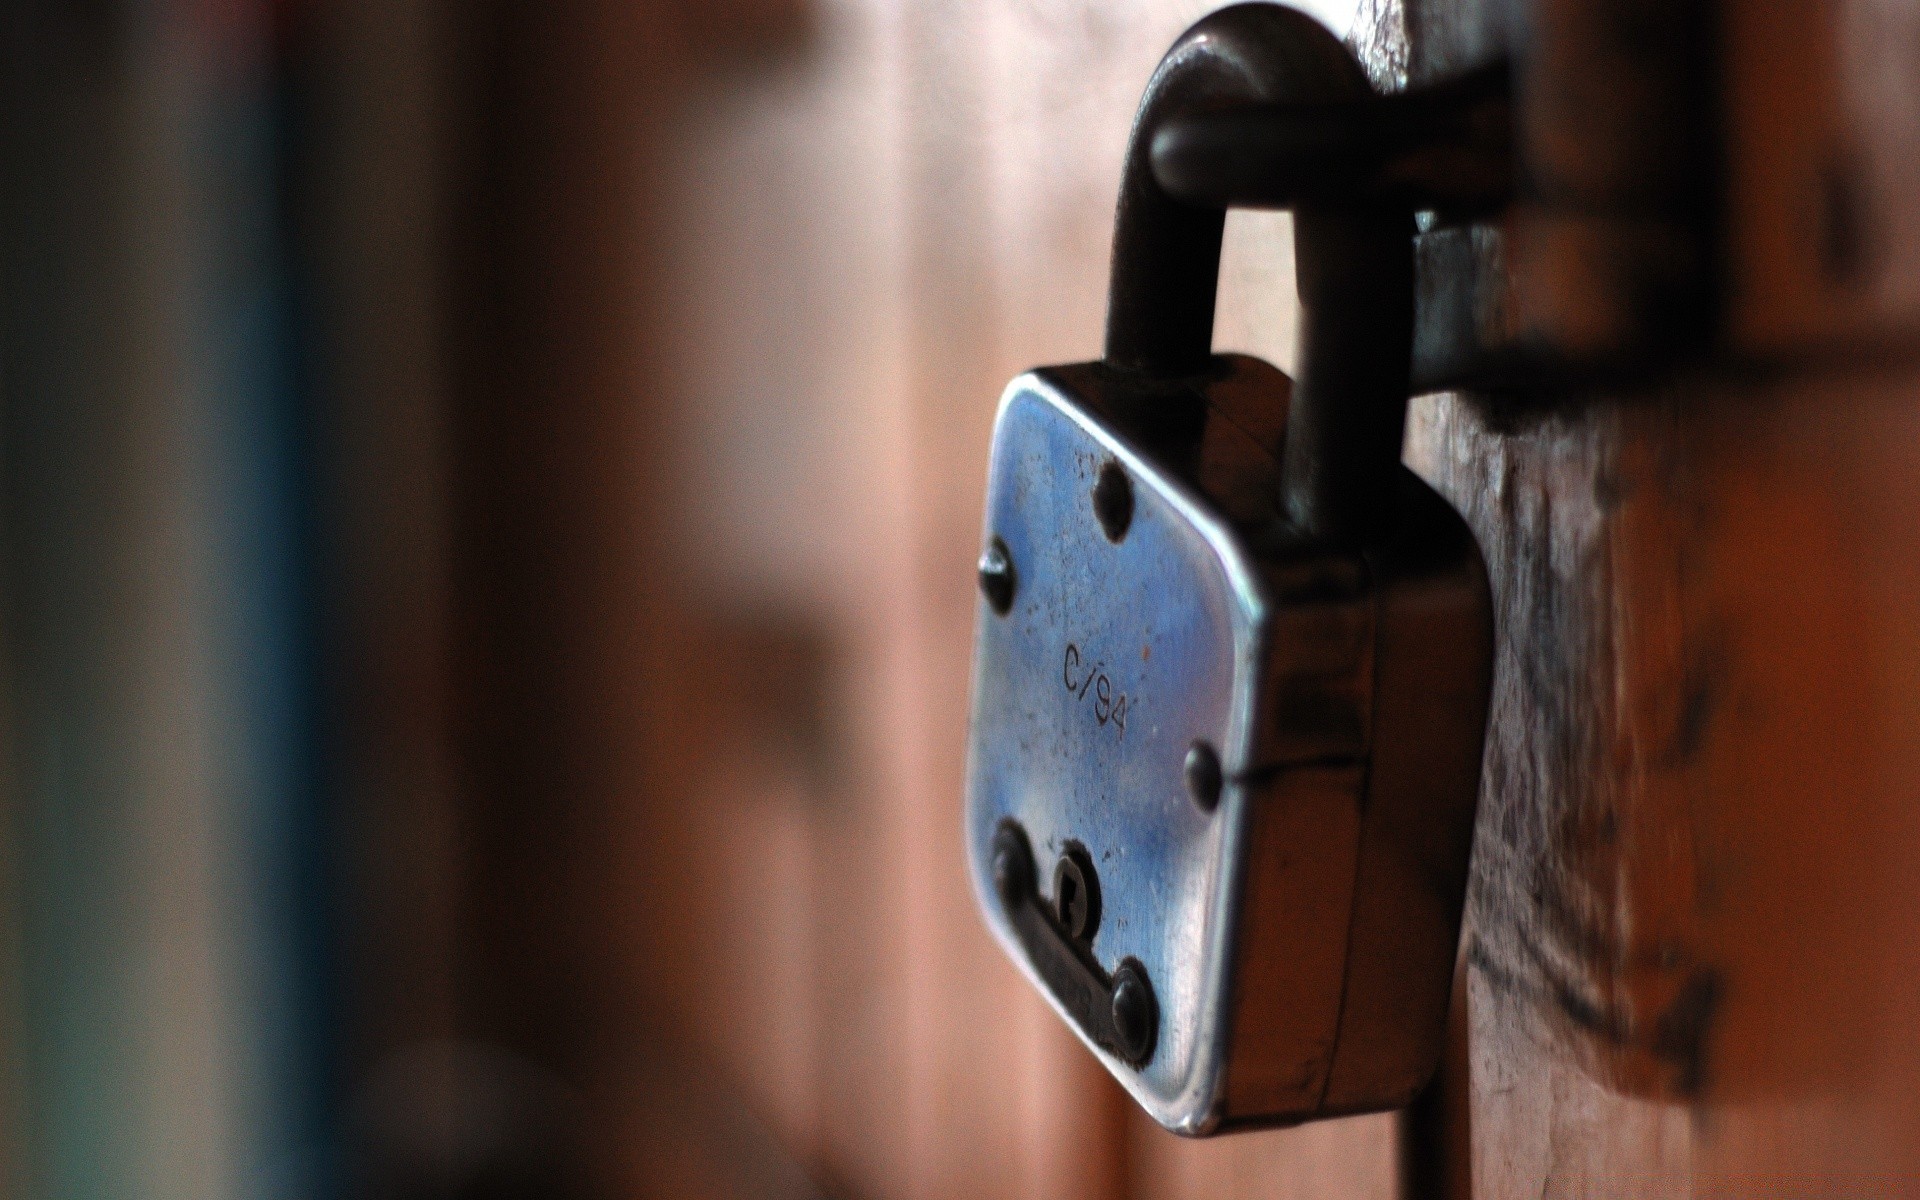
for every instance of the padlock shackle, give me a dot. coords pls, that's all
(1353, 263)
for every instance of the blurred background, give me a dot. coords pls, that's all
(488, 502)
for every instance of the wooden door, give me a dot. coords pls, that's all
(1689, 942)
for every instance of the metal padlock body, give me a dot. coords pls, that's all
(1270, 940)
(1299, 938)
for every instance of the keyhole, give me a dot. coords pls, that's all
(1076, 893)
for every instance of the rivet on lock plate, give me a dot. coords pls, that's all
(1232, 659)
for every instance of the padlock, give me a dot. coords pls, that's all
(1232, 659)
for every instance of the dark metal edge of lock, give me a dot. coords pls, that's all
(1118, 1012)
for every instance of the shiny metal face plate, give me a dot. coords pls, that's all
(1113, 658)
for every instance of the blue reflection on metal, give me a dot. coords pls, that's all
(1113, 660)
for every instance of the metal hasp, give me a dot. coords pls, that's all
(1232, 659)
(1445, 148)
(1565, 162)
(1571, 185)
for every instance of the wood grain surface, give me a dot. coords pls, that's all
(1690, 921)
